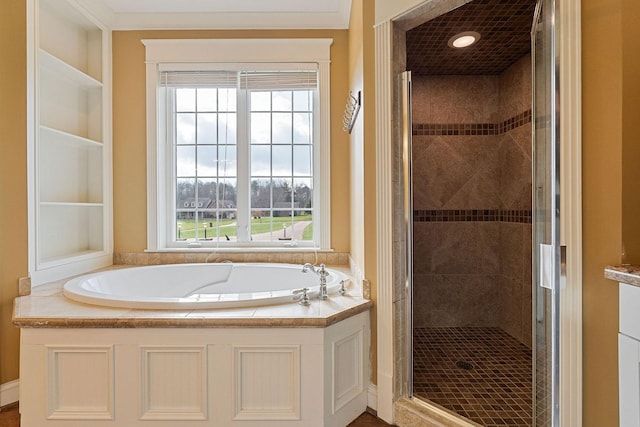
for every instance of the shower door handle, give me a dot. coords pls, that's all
(546, 261)
(563, 266)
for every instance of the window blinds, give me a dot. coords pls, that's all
(279, 80)
(246, 80)
(221, 79)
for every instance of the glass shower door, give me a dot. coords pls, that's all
(547, 252)
(407, 198)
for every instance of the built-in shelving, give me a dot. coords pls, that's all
(70, 202)
(63, 70)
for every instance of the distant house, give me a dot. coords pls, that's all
(187, 207)
(285, 206)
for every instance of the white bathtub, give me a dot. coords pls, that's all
(197, 286)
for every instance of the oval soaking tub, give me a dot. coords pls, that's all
(198, 286)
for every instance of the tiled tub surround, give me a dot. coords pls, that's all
(472, 201)
(192, 367)
(190, 256)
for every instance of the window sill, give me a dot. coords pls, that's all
(241, 250)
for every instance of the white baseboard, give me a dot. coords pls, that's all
(9, 392)
(372, 397)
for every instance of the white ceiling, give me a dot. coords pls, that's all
(225, 14)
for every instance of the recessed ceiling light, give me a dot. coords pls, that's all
(464, 39)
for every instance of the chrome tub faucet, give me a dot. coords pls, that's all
(323, 273)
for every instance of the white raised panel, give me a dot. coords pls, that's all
(629, 355)
(80, 383)
(629, 310)
(173, 383)
(347, 370)
(267, 382)
(629, 376)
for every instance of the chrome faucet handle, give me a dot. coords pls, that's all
(342, 290)
(322, 271)
(302, 299)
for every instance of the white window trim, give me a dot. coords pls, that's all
(164, 51)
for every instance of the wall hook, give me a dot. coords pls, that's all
(351, 111)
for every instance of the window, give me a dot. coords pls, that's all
(238, 150)
(203, 112)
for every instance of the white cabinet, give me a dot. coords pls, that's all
(69, 69)
(629, 355)
(207, 377)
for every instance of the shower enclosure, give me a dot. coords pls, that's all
(483, 255)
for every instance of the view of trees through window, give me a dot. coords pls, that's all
(278, 164)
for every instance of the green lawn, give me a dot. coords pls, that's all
(228, 226)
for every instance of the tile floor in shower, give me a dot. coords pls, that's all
(481, 373)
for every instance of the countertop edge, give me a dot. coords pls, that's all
(228, 322)
(624, 273)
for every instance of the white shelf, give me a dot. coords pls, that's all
(69, 229)
(66, 71)
(67, 259)
(70, 168)
(72, 36)
(69, 107)
(52, 135)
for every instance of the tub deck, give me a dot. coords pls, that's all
(303, 366)
(47, 307)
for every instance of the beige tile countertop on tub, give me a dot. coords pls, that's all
(47, 307)
(624, 273)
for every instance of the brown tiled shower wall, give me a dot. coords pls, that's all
(472, 200)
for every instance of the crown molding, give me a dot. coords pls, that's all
(269, 17)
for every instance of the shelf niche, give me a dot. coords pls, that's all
(70, 197)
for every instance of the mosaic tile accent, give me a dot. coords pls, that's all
(481, 373)
(504, 25)
(452, 129)
(472, 215)
(515, 121)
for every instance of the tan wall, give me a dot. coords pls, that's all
(631, 132)
(13, 177)
(602, 201)
(129, 134)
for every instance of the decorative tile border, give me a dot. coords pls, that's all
(155, 258)
(516, 121)
(472, 215)
(473, 128)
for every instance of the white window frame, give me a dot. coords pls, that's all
(233, 51)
